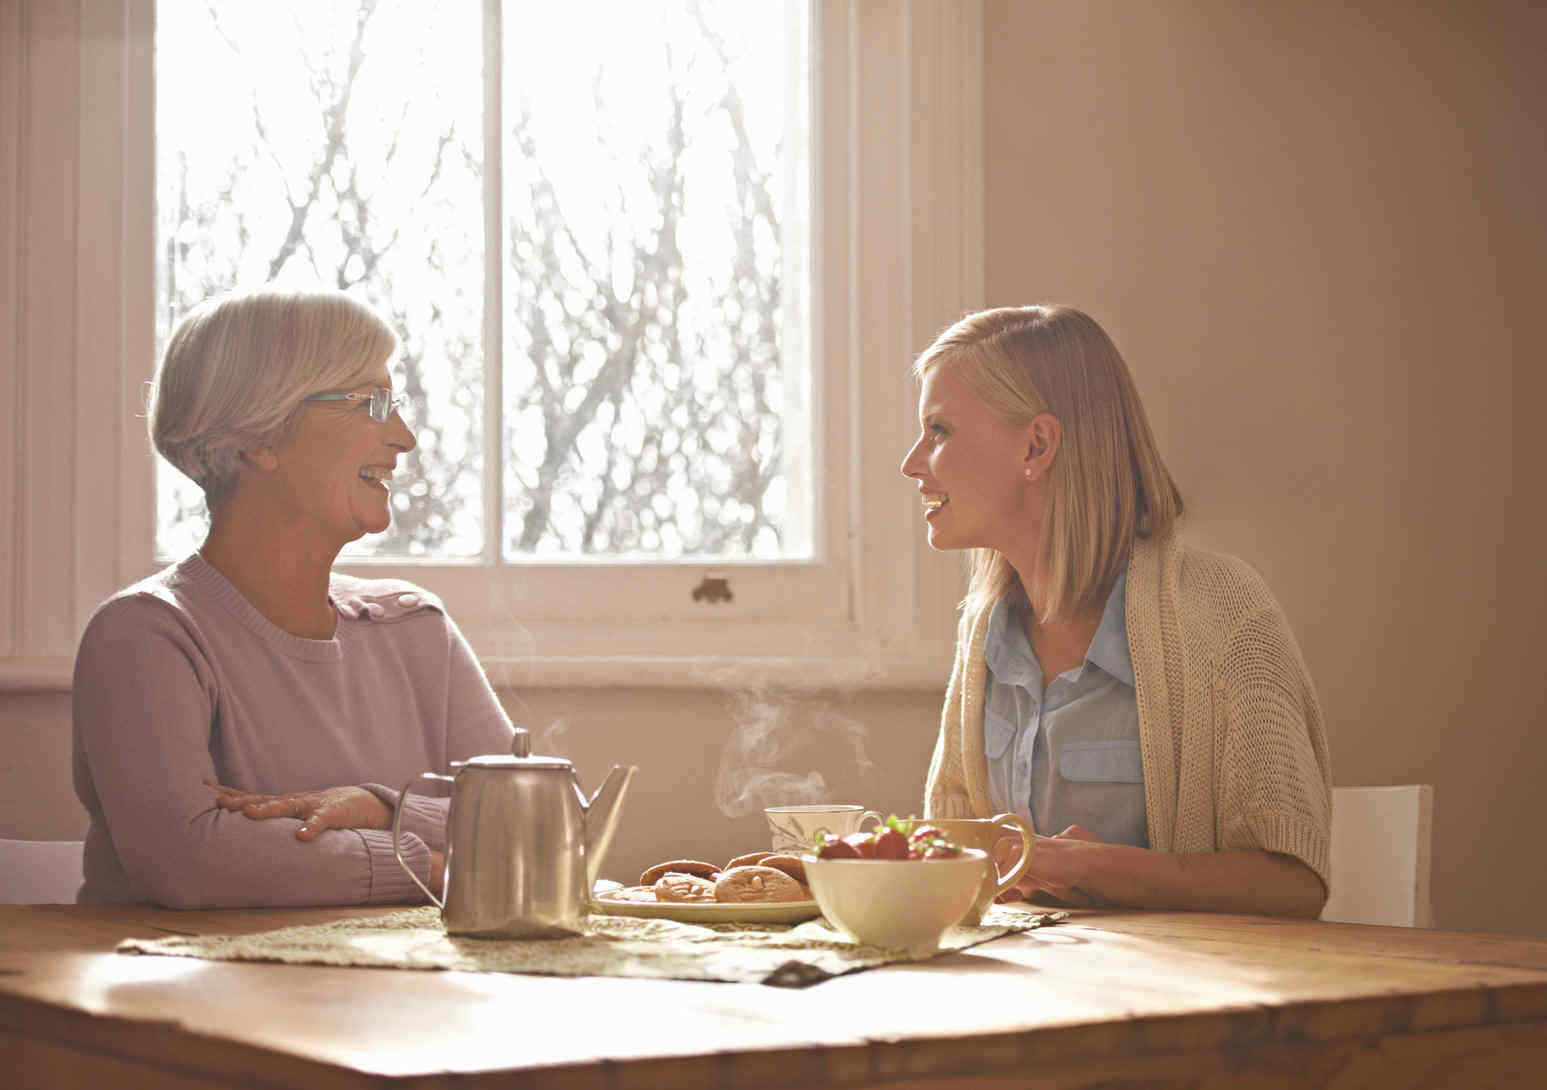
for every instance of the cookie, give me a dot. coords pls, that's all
(751, 859)
(679, 866)
(643, 894)
(789, 864)
(684, 889)
(757, 885)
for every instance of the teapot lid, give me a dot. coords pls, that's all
(520, 756)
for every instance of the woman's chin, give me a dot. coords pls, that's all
(367, 525)
(939, 540)
(375, 519)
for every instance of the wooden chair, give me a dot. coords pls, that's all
(1380, 855)
(40, 872)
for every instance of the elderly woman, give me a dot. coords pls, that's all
(239, 714)
(1142, 701)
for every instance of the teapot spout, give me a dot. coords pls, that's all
(601, 818)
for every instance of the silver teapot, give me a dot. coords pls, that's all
(523, 844)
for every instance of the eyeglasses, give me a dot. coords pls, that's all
(383, 404)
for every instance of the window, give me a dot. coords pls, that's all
(894, 254)
(643, 251)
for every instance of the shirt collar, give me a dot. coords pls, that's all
(1009, 656)
(1006, 651)
(1109, 646)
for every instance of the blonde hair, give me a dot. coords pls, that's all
(1107, 485)
(237, 368)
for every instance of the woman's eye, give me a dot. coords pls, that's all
(938, 430)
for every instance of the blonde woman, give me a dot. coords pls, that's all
(1143, 703)
(238, 714)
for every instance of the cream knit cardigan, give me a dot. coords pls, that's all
(1230, 732)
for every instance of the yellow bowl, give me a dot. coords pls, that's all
(896, 904)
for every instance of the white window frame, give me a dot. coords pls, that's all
(898, 254)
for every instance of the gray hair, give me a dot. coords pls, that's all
(238, 367)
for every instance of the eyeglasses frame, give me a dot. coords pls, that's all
(383, 404)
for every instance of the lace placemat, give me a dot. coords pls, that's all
(786, 956)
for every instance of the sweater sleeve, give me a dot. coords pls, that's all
(945, 789)
(475, 721)
(145, 703)
(1275, 790)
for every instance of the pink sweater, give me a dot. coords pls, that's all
(179, 679)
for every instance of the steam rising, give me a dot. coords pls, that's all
(550, 739)
(764, 738)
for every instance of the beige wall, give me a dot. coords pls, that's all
(868, 747)
(1318, 237)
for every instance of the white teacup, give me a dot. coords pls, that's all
(794, 828)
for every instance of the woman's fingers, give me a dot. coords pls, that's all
(1079, 832)
(1052, 873)
(324, 814)
(317, 811)
(230, 797)
(261, 807)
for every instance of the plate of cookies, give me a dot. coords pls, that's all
(758, 887)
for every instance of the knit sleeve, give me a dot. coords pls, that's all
(1275, 781)
(475, 721)
(947, 791)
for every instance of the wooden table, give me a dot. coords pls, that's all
(1109, 999)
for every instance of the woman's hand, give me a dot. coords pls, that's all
(438, 873)
(1057, 867)
(328, 808)
(1077, 869)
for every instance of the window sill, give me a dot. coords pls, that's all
(719, 673)
(36, 675)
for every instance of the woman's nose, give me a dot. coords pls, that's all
(907, 460)
(402, 436)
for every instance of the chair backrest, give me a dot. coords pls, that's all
(1380, 855)
(40, 872)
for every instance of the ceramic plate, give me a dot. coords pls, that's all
(782, 912)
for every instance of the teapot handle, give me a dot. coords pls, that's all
(397, 834)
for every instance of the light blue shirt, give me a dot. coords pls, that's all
(1071, 757)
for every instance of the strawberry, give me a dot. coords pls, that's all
(834, 846)
(864, 844)
(891, 844)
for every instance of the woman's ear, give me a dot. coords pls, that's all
(1043, 436)
(261, 458)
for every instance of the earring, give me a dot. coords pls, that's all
(1028, 474)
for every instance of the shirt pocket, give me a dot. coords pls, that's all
(998, 733)
(1101, 762)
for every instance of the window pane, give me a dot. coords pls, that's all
(656, 209)
(336, 144)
